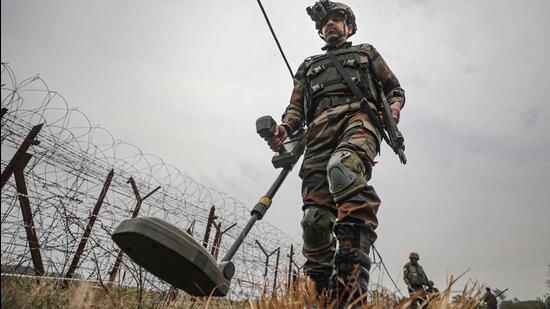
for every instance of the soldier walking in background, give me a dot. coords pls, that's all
(415, 278)
(490, 299)
(343, 138)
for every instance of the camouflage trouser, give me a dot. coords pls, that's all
(326, 134)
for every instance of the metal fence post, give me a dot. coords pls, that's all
(211, 218)
(276, 271)
(218, 239)
(139, 201)
(26, 211)
(290, 260)
(88, 230)
(27, 142)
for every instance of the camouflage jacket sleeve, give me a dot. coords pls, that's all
(406, 274)
(382, 73)
(294, 115)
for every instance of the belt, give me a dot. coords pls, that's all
(328, 102)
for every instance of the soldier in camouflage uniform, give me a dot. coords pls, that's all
(490, 299)
(341, 145)
(415, 278)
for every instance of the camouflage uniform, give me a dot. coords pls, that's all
(336, 123)
(415, 278)
(490, 299)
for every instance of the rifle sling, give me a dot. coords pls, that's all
(358, 94)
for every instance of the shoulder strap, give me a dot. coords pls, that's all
(358, 94)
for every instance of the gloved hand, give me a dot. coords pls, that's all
(276, 141)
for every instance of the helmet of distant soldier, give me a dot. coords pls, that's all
(322, 9)
(414, 256)
(430, 283)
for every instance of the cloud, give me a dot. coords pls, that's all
(531, 116)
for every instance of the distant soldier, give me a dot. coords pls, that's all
(490, 299)
(415, 278)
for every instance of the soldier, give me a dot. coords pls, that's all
(490, 299)
(415, 278)
(341, 144)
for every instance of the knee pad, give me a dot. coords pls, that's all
(346, 174)
(317, 226)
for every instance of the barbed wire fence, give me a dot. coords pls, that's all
(66, 184)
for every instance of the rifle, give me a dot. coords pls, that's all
(396, 139)
(501, 292)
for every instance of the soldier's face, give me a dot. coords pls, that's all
(414, 261)
(335, 28)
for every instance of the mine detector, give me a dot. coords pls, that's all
(176, 257)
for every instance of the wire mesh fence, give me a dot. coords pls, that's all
(66, 188)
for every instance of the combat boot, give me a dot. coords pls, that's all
(350, 279)
(322, 281)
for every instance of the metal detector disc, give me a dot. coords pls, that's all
(172, 255)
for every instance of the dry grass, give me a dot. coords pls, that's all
(303, 296)
(33, 293)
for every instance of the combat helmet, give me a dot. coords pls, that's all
(414, 255)
(320, 11)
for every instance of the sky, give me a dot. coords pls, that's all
(186, 80)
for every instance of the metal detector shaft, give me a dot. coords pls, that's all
(258, 212)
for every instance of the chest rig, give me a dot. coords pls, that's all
(325, 87)
(416, 275)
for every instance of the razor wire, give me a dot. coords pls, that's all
(65, 176)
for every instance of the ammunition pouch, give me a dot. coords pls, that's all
(323, 81)
(317, 88)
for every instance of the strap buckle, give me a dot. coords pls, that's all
(350, 63)
(316, 70)
(316, 88)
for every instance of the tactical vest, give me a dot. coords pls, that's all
(322, 78)
(416, 275)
